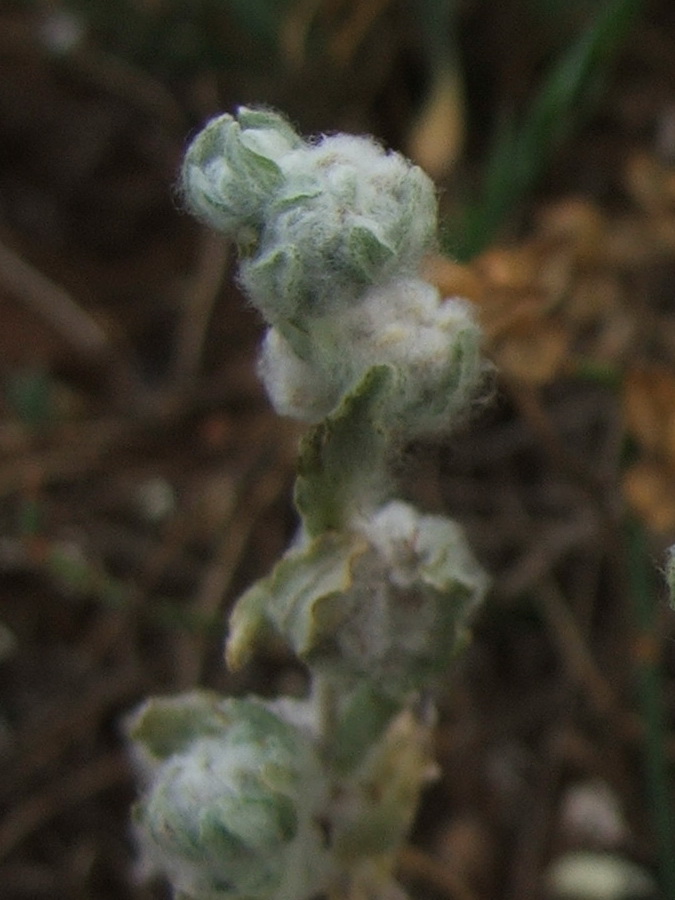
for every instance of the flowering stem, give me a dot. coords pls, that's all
(287, 799)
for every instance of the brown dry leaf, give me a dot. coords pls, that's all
(513, 269)
(649, 487)
(577, 223)
(615, 339)
(649, 409)
(510, 290)
(453, 279)
(503, 315)
(466, 845)
(437, 135)
(596, 296)
(524, 284)
(630, 243)
(533, 350)
(555, 274)
(598, 313)
(511, 297)
(349, 34)
(663, 230)
(645, 178)
(651, 182)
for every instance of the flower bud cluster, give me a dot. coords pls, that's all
(235, 792)
(431, 343)
(406, 610)
(332, 234)
(388, 602)
(288, 801)
(232, 169)
(318, 222)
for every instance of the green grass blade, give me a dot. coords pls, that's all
(520, 155)
(651, 696)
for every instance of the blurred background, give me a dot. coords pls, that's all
(144, 482)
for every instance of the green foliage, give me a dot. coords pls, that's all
(340, 465)
(522, 150)
(650, 692)
(30, 393)
(373, 596)
(175, 37)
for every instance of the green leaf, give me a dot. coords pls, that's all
(367, 251)
(306, 602)
(521, 153)
(361, 724)
(259, 118)
(301, 598)
(386, 789)
(342, 464)
(278, 282)
(248, 621)
(168, 725)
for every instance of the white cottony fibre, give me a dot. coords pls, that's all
(431, 343)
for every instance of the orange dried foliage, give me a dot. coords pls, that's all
(649, 411)
(649, 488)
(568, 293)
(577, 292)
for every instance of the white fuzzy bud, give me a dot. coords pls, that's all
(231, 170)
(347, 216)
(387, 602)
(433, 345)
(296, 387)
(410, 601)
(319, 222)
(232, 812)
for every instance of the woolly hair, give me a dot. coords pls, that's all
(432, 344)
(318, 222)
(234, 815)
(348, 216)
(231, 169)
(296, 388)
(408, 604)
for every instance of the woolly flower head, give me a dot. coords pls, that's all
(433, 344)
(322, 220)
(386, 602)
(410, 601)
(232, 169)
(231, 808)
